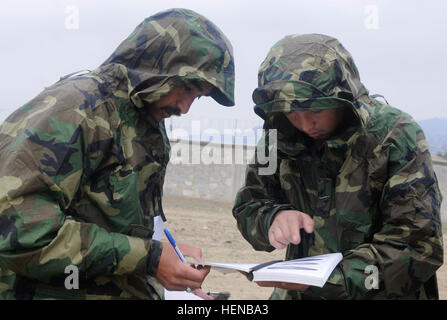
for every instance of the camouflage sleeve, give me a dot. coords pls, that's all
(39, 177)
(407, 249)
(256, 205)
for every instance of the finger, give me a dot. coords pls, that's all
(288, 222)
(307, 223)
(293, 230)
(195, 255)
(202, 294)
(205, 269)
(276, 238)
(192, 284)
(190, 251)
(290, 228)
(194, 278)
(183, 285)
(272, 238)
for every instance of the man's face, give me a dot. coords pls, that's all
(317, 124)
(179, 100)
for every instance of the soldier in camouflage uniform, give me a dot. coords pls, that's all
(354, 175)
(83, 165)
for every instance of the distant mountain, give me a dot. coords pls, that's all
(435, 130)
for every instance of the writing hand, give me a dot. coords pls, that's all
(175, 275)
(202, 295)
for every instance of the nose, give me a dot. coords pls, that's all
(308, 124)
(184, 104)
(306, 121)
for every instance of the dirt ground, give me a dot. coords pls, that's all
(210, 226)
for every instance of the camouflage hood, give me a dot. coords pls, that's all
(173, 47)
(309, 72)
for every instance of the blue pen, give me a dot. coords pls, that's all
(174, 245)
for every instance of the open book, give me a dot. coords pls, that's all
(312, 271)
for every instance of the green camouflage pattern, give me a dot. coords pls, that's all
(319, 76)
(83, 165)
(370, 189)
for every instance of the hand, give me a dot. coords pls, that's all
(190, 251)
(284, 285)
(202, 295)
(175, 275)
(286, 225)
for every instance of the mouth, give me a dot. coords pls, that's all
(315, 134)
(169, 111)
(165, 114)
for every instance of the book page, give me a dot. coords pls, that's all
(180, 295)
(311, 270)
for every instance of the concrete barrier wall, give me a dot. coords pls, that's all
(216, 180)
(219, 181)
(441, 174)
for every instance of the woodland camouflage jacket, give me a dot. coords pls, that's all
(370, 189)
(82, 165)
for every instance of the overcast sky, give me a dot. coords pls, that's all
(399, 46)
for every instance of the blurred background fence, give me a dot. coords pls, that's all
(215, 168)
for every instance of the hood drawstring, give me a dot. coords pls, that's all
(374, 96)
(160, 205)
(80, 72)
(156, 201)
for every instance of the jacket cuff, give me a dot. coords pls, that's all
(153, 258)
(270, 210)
